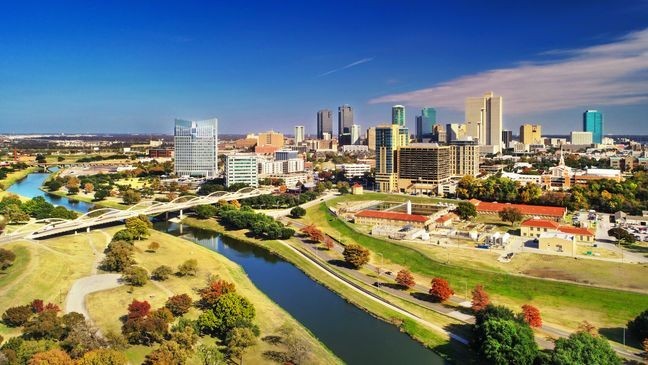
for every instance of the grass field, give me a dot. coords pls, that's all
(13, 177)
(106, 203)
(388, 197)
(133, 182)
(106, 307)
(560, 303)
(434, 340)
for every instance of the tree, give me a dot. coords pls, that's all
(45, 325)
(405, 279)
(188, 268)
(507, 342)
(80, 338)
(17, 316)
(73, 182)
(639, 326)
(531, 315)
(131, 197)
(135, 275)
(313, 233)
(101, 194)
(328, 243)
(297, 349)
(440, 289)
(119, 256)
(231, 310)
(138, 309)
(15, 214)
(179, 304)
(153, 246)
(621, 235)
(40, 158)
(238, 340)
(215, 288)
(6, 258)
(205, 211)
(585, 326)
(510, 214)
(162, 273)
(169, 353)
(583, 348)
(356, 255)
(103, 357)
(466, 210)
(51, 357)
(88, 187)
(145, 331)
(210, 355)
(53, 185)
(297, 212)
(480, 299)
(124, 235)
(138, 226)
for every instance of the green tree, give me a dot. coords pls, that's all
(135, 275)
(205, 211)
(465, 210)
(510, 214)
(210, 355)
(15, 214)
(356, 255)
(169, 353)
(508, 342)
(7, 258)
(297, 212)
(162, 273)
(231, 310)
(124, 235)
(238, 340)
(188, 268)
(45, 325)
(139, 227)
(17, 316)
(621, 235)
(103, 357)
(101, 194)
(638, 326)
(131, 197)
(583, 348)
(119, 256)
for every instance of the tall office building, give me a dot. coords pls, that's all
(388, 139)
(425, 123)
(241, 169)
(371, 138)
(484, 121)
(345, 121)
(196, 147)
(299, 134)
(398, 115)
(530, 133)
(454, 131)
(271, 138)
(324, 123)
(582, 138)
(507, 138)
(593, 122)
(355, 134)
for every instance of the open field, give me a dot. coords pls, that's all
(434, 340)
(88, 198)
(13, 177)
(46, 269)
(560, 303)
(106, 307)
(132, 182)
(388, 197)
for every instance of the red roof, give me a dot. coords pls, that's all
(541, 223)
(357, 185)
(446, 217)
(397, 216)
(575, 230)
(540, 210)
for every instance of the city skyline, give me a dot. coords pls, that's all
(136, 70)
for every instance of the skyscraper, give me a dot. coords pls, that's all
(196, 147)
(507, 137)
(530, 133)
(388, 139)
(454, 132)
(593, 122)
(355, 134)
(345, 119)
(299, 134)
(398, 115)
(371, 138)
(425, 123)
(324, 123)
(484, 120)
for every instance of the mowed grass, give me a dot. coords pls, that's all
(560, 303)
(45, 270)
(438, 342)
(106, 307)
(15, 176)
(89, 198)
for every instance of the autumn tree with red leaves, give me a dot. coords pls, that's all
(215, 289)
(405, 279)
(138, 309)
(441, 290)
(328, 243)
(313, 233)
(531, 315)
(480, 299)
(37, 305)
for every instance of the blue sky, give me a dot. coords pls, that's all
(133, 66)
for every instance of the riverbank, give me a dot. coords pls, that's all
(87, 199)
(437, 341)
(16, 176)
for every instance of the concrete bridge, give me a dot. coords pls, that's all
(56, 226)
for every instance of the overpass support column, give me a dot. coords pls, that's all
(181, 214)
(88, 229)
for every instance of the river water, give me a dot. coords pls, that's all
(353, 335)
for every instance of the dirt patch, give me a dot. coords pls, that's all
(551, 274)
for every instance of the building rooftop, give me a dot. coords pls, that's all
(540, 210)
(575, 230)
(392, 215)
(540, 223)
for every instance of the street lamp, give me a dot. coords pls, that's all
(382, 258)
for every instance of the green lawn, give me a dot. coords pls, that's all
(13, 177)
(561, 303)
(106, 203)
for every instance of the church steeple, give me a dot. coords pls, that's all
(562, 158)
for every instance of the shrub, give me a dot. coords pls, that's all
(135, 275)
(179, 304)
(188, 268)
(161, 273)
(297, 212)
(7, 258)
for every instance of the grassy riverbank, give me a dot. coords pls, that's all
(560, 303)
(89, 199)
(16, 176)
(438, 342)
(106, 307)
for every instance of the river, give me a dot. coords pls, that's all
(352, 334)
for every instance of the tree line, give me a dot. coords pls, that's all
(15, 210)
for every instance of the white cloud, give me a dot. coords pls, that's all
(610, 74)
(356, 63)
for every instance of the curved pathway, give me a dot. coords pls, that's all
(75, 301)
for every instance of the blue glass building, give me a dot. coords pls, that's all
(425, 123)
(593, 122)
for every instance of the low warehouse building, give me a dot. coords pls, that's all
(375, 217)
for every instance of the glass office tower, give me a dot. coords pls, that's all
(196, 147)
(593, 122)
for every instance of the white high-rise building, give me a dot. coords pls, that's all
(241, 168)
(299, 134)
(581, 138)
(484, 120)
(196, 147)
(355, 134)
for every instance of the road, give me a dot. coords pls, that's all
(75, 301)
(457, 301)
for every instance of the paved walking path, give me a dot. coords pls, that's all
(75, 301)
